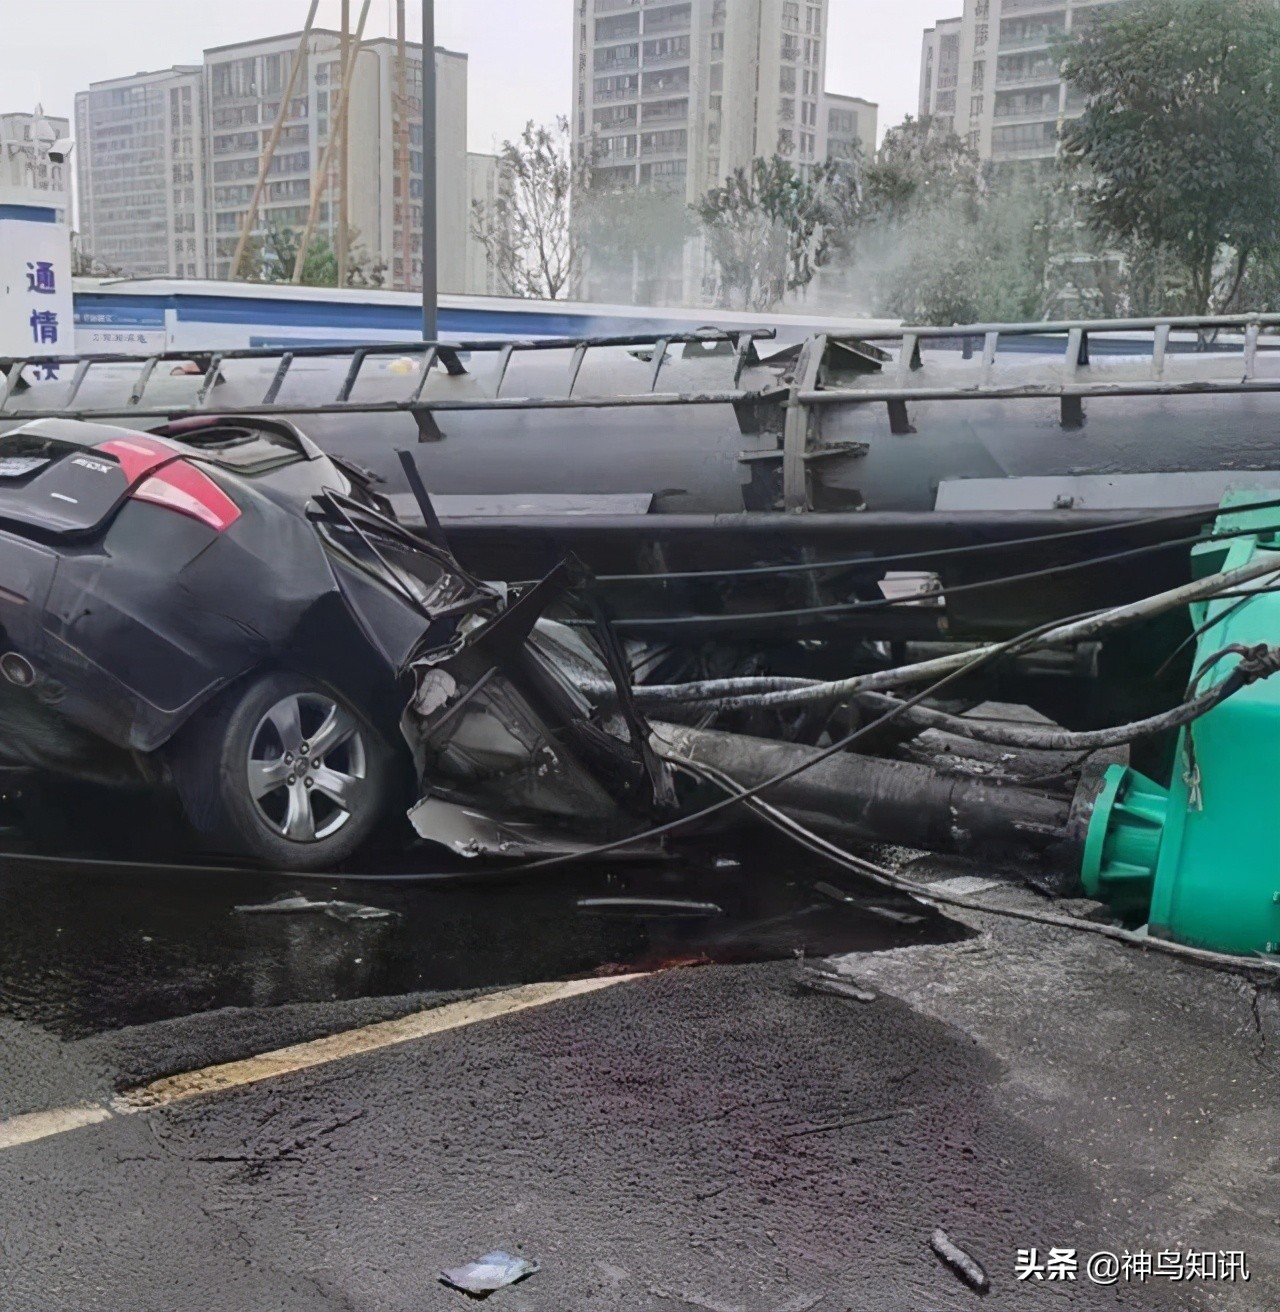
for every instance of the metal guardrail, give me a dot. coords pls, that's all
(449, 355)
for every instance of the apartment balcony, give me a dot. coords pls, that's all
(615, 6)
(624, 65)
(1029, 7)
(669, 59)
(1013, 119)
(666, 92)
(1045, 75)
(619, 93)
(677, 112)
(1040, 150)
(1039, 41)
(663, 21)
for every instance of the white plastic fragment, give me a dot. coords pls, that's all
(969, 1270)
(490, 1272)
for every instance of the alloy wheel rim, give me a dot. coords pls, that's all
(307, 767)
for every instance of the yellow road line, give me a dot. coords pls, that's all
(300, 1056)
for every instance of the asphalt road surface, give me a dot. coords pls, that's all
(712, 1136)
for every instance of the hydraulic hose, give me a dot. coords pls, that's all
(1259, 663)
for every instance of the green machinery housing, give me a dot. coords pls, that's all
(1199, 858)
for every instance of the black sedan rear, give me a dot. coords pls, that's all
(219, 607)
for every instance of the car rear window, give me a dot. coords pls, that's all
(240, 447)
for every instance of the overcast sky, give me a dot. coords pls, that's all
(520, 50)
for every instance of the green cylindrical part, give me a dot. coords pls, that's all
(1122, 846)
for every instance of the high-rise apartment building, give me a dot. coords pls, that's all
(140, 168)
(168, 161)
(677, 94)
(993, 75)
(245, 83)
(940, 71)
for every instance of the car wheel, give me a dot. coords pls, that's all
(286, 771)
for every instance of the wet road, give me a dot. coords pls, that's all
(713, 1138)
(85, 949)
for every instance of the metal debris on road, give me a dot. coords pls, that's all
(295, 902)
(650, 906)
(821, 981)
(959, 1261)
(488, 1273)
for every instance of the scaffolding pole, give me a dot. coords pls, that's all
(344, 150)
(402, 147)
(429, 255)
(320, 181)
(251, 214)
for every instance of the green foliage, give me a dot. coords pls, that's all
(920, 163)
(633, 239)
(271, 258)
(528, 232)
(769, 228)
(1181, 138)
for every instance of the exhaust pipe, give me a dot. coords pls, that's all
(17, 669)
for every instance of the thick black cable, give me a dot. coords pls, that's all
(981, 659)
(937, 553)
(1033, 738)
(887, 603)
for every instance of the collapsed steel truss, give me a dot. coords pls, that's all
(824, 370)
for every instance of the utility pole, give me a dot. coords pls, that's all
(344, 151)
(429, 267)
(402, 147)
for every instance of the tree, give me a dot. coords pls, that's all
(633, 239)
(85, 264)
(920, 163)
(1181, 137)
(271, 256)
(275, 258)
(528, 232)
(769, 228)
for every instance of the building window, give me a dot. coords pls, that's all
(976, 105)
(791, 15)
(787, 81)
(979, 78)
(980, 35)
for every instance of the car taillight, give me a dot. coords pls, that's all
(189, 491)
(138, 455)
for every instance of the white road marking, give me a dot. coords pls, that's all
(40, 1125)
(300, 1056)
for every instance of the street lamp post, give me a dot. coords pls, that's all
(429, 263)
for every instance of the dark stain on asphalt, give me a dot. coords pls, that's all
(87, 946)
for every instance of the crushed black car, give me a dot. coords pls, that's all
(171, 616)
(219, 608)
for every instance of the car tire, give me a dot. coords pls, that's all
(285, 771)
